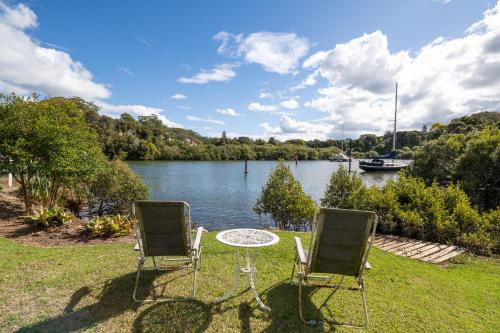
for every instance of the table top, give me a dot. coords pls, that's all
(247, 237)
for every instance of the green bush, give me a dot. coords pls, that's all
(114, 189)
(110, 226)
(345, 191)
(50, 217)
(408, 207)
(283, 198)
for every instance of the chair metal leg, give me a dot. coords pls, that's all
(195, 273)
(317, 322)
(293, 268)
(301, 305)
(362, 290)
(139, 267)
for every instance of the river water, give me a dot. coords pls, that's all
(222, 197)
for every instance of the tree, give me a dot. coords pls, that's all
(283, 198)
(345, 191)
(436, 159)
(114, 189)
(46, 138)
(478, 169)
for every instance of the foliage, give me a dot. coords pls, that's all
(46, 138)
(478, 168)
(410, 208)
(345, 191)
(437, 159)
(471, 160)
(283, 198)
(46, 217)
(110, 226)
(114, 189)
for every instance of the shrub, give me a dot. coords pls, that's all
(110, 226)
(283, 198)
(50, 217)
(345, 191)
(114, 189)
(409, 208)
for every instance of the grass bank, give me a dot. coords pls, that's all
(88, 288)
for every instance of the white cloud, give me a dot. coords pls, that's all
(178, 96)
(290, 128)
(257, 107)
(276, 52)
(309, 81)
(19, 17)
(228, 112)
(207, 120)
(134, 110)
(125, 71)
(26, 67)
(444, 79)
(264, 95)
(289, 104)
(220, 73)
(184, 107)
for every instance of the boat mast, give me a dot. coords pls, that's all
(395, 114)
(342, 136)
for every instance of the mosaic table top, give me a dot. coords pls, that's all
(247, 237)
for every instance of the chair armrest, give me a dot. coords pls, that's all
(300, 251)
(197, 240)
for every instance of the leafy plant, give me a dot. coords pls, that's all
(345, 191)
(408, 207)
(114, 189)
(50, 217)
(110, 226)
(283, 198)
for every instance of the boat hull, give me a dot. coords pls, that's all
(370, 168)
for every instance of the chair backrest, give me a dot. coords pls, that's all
(164, 227)
(339, 241)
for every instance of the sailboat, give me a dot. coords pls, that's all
(341, 157)
(378, 163)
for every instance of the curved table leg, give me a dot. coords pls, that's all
(236, 280)
(251, 275)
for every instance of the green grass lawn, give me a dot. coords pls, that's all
(88, 288)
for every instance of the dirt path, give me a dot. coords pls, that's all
(12, 225)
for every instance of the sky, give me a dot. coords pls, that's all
(282, 68)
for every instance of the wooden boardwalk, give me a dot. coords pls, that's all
(415, 249)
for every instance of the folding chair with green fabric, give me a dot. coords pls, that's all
(164, 230)
(340, 244)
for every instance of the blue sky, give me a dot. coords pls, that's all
(259, 68)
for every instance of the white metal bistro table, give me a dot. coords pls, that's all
(247, 239)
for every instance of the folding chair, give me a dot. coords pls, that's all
(340, 244)
(164, 230)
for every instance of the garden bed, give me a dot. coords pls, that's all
(13, 226)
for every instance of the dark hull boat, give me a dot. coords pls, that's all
(380, 165)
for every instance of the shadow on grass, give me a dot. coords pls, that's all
(174, 316)
(114, 299)
(283, 299)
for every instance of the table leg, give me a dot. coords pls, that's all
(251, 275)
(236, 279)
